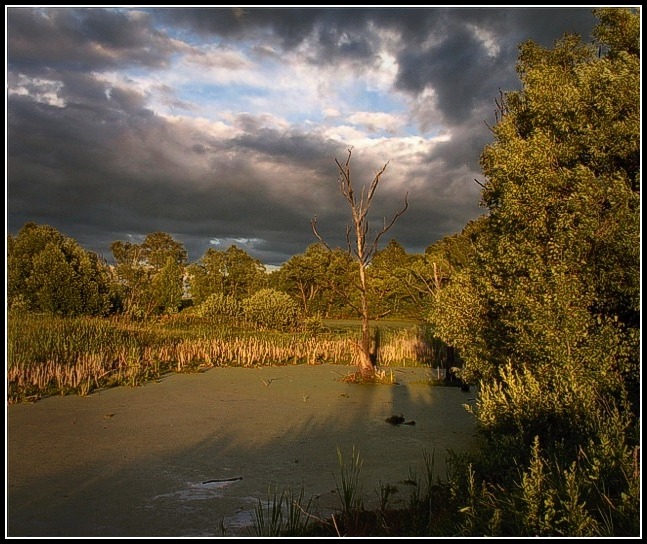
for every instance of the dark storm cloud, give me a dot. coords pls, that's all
(92, 158)
(289, 26)
(443, 49)
(82, 39)
(471, 53)
(134, 173)
(294, 147)
(466, 56)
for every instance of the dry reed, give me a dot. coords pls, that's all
(50, 355)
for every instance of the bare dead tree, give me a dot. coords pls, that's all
(361, 248)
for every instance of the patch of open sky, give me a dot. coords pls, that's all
(370, 100)
(230, 97)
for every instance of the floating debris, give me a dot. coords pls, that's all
(395, 420)
(399, 420)
(223, 480)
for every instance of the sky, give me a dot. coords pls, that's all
(221, 126)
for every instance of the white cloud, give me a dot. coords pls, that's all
(215, 56)
(45, 91)
(377, 121)
(487, 39)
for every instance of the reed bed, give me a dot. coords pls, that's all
(49, 355)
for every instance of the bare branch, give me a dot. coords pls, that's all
(386, 228)
(350, 247)
(376, 180)
(313, 223)
(477, 181)
(356, 239)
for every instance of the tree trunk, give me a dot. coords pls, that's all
(365, 364)
(366, 367)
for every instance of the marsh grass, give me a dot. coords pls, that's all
(426, 511)
(283, 513)
(49, 355)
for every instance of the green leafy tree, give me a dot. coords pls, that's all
(442, 260)
(243, 275)
(389, 272)
(546, 315)
(271, 309)
(556, 275)
(168, 287)
(303, 276)
(159, 247)
(206, 277)
(319, 279)
(150, 274)
(50, 272)
(231, 272)
(220, 308)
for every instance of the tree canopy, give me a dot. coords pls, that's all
(49, 272)
(555, 277)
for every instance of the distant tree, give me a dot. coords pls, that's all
(303, 276)
(271, 309)
(315, 278)
(232, 272)
(433, 269)
(50, 272)
(220, 308)
(150, 274)
(168, 287)
(159, 247)
(363, 248)
(207, 276)
(389, 293)
(243, 275)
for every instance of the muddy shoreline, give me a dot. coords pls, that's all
(191, 452)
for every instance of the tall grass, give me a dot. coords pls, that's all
(49, 355)
(426, 512)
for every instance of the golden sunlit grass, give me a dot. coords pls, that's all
(49, 355)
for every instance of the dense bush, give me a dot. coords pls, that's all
(271, 309)
(546, 312)
(220, 307)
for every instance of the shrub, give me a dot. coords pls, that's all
(220, 307)
(271, 309)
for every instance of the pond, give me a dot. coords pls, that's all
(192, 453)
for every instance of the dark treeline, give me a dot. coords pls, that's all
(49, 272)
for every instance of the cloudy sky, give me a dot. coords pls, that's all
(221, 126)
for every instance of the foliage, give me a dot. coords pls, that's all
(168, 287)
(50, 272)
(555, 278)
(389, 292)
(49, 355)
(271, 309)
(546, 314)
(231, 272)
(150, 274)
(319, 279)
(348, 489)
(220, 307)
(284, 514)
